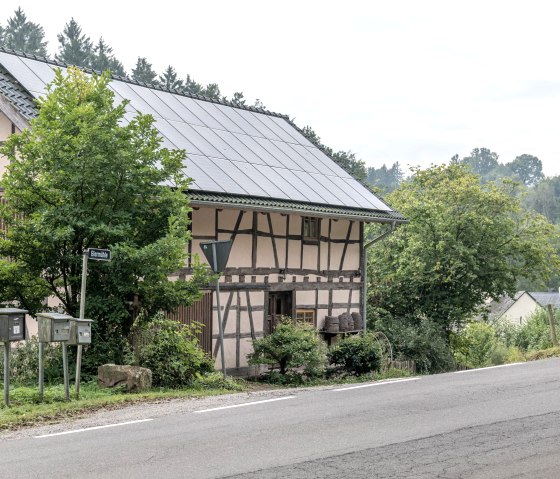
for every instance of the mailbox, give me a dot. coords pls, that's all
(53, 327)
(12, 324)
(80, 331)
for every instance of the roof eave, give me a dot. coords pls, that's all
(303, 211)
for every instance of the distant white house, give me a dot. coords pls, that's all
(522, 306)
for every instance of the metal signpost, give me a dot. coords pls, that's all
(95, 254)
(217, 254)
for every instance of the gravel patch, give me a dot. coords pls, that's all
(149, 410)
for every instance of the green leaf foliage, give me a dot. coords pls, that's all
(290, 346)
(172, 354)
(464, 242)
(474, 345)
(82, 176)
(356, 354)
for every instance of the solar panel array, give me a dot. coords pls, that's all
(230, 150)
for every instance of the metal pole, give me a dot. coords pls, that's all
(82, 315)
(7, 373)
(364, 274)
(41, 373)
(65, 371)
(220, 325)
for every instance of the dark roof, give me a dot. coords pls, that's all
(241, 155)
(546, 298)
(17, 95)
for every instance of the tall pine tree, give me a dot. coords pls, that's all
(23, 36)
(143, 71)
(168, 79)
(191, 86)
(74, 47)
(103, 59)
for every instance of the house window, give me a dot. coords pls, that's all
(306, 315)
(311, 229)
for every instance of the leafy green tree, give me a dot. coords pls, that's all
(386, 179)
(544, 198)
(481, 161)
(23, 36)
(143, 71)
(103, 59)
(74, 47)
(168, 79)
(465, 241)
(528, 169)
(80, 177)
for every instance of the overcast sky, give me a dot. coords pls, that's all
(408, 81)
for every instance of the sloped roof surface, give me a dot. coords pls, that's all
(547, 298)
(231, 150)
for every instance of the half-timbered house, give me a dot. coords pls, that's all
(295, 216)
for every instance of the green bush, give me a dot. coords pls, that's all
(290, 346)
(24, 362)
(475, 345)
(418, 339)
(356, 355)
(173, 354)
(535, 333)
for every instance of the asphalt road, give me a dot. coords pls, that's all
(494, 423)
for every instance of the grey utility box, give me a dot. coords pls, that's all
(12, 324)
(80, 331)
(53, 327)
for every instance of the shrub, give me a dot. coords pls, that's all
(418, 339)
(24, 362)
(290, 346)
(535, 333)
(357, 354)
(475, 344)
(173, 354)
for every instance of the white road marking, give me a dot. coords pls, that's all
(73, 431)
(245, 404)
(489, 367)
(381, 383)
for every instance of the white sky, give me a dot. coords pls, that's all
(407, 81)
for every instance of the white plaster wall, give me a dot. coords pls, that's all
(521, 310)
(5, 131)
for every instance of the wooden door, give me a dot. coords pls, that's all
(279, 304)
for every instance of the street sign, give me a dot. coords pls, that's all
(99, 254)
(221, 249)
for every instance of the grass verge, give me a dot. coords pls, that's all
(27, 410)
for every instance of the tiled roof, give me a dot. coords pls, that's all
(209, 198)
(237, 153)
(547, 298)
(17, 95)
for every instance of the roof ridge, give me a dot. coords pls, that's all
(146, 85)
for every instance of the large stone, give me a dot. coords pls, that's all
(135, 377)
